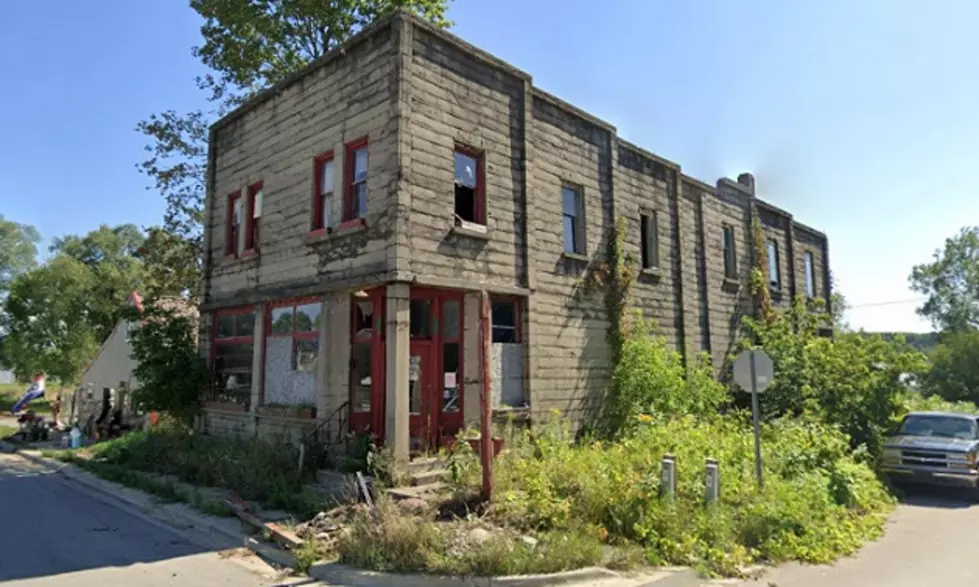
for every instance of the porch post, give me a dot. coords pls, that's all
(258, 366)
(472, 359)
(398, 342)
(336, 358)
(324, 348)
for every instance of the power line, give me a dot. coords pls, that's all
(890, 303)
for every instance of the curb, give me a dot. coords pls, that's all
(110, 489)
(337, 574)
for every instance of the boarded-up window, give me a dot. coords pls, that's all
(292, 352)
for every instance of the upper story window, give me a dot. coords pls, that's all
(774, 275)
(649, 240)
(355, 205)
(810, 274)
(573, 212)
(470, 202)
(254, 216)
(730, 253)
(233, 228)
(323, 175)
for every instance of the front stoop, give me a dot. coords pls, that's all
(426, 471)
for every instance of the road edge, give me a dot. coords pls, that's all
(176, 520)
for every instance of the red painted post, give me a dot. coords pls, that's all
(485, 399)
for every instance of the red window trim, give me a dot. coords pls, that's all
(251, 223)
(316, 224)
(479, 156)
(375, 297)
(374, 419)
(348, 219)
(231, 244)
(517, 313)
(291, 303)
(215, 339)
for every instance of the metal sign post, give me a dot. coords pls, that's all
(753, 372)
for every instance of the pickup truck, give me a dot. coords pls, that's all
(935, 448)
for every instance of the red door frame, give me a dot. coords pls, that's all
(373, 421)
(434, 426)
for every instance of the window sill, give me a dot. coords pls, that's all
(341, 230)
(245, 257)
(731, 282)
(471, 230)
(575, 256)
(651, 272)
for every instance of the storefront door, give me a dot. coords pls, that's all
(435, 367)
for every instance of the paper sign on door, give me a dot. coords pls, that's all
(450, 380)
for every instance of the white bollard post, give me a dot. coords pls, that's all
(712, 481)
(667, 486)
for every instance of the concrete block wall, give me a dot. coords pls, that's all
(419, 93)
(275, 139)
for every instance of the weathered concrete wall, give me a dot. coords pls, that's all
(457, 100)
(418, 94)
(776, 228)
(806, 240)
(351, 97)
(641, 187)
(569, 321)
(728, 300)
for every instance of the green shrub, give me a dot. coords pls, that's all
(851, 381)
(818, 502)
(651, 378)
(254, 469)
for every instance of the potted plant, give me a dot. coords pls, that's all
(475, 440)
(306, 411)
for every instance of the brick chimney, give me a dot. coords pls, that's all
(747, 180)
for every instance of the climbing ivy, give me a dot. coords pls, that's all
(615, 279)
(759, 284)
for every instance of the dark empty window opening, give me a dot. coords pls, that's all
(649, 240)
(730, 253)
(468, 186)
(573, 215)
(420, 319)
(505, 318)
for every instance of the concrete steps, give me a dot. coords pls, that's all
(426, 471)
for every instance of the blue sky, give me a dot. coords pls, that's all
(859, 117)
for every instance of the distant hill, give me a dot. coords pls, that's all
(923, 341)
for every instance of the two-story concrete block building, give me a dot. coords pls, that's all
(356, 211)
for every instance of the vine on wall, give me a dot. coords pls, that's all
(759, 283)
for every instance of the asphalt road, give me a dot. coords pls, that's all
(55, 532)
(930, 540)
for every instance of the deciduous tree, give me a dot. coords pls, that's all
(950, 283)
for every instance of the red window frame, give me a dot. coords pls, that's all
(251, 222)
(517, 314)
(372, 421)
(216, 340)
(231, 231)
(318, 225)
(349, 181)
(307, 335)
(480, 203)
